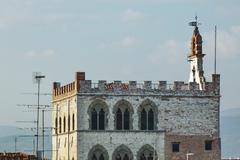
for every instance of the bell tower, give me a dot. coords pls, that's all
(196, 57)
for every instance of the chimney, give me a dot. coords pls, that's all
(56, 85)
(79, 76)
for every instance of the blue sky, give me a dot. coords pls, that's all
(112, 40)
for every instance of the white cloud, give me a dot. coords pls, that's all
(132, 15)
(40, 54)
(227, 42)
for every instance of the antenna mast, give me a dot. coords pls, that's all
(215, 50)
(37, 79)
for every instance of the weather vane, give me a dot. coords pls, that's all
(194, 23)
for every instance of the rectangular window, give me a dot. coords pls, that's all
(175, 146)
(208, 145)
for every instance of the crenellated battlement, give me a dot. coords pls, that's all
(80, 85)
(68, 89)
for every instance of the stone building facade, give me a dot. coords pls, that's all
(133, 121)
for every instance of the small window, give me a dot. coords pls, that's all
(73, 122)
(175, 146)
(208, 145)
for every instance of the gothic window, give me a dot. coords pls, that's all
(64, 124)
(73, 122)
(60, 125)
(143, 119)
(122, 153)
(147, 115)
(147, 119)
(150, 120)
(68, 122)
(56, 125)
(123, 111)
(126, 119)
(147, 152)
(98, 152)
(98, 116)
(119, 119)
(101, 119)
(98, 111)
(94, 119)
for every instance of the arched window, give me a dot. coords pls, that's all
(56, 125)
(122, 152)
(126, 119)
(60, 125)
(123, 111)
(73, 122)
(150, 120)
(147, 152)
(98, 152)
(143, 119)
(94, 119)
(64, 124)
(98, 111)
(101, 119)
(147, 113)
(68, 123)
(119, 119)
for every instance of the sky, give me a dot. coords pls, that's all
(111, 40)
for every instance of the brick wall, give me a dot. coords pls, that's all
(192, 144)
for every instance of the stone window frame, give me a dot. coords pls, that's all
(148, 104)
(123, 105)
(148, 150)
(98, 104)
(98, 150)
(121, 151)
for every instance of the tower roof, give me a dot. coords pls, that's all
(196, 44)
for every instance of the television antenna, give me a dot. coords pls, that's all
(37, 77)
